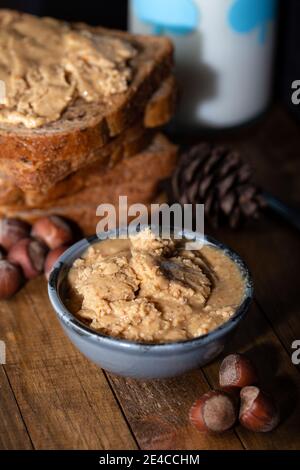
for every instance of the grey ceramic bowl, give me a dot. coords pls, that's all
(140, 360)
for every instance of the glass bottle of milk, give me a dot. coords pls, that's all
(224, 55)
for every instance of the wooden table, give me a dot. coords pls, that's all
(52, 397)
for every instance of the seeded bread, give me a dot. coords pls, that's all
(137, 178)
(33, 157)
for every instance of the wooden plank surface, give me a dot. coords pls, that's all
(278, 376)
(13, 433)
(158, 413)
(272, 247)
(52, 397)
(65, 401)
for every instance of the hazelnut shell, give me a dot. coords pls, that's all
(258, 412)
(214, 412)
(10, 279)
(52, 257)
(54, 231)
(237, 371)
(12, 231)
(30, 255)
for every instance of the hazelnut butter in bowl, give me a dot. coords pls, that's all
(148, 307)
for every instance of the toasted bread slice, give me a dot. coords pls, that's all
(162, 104)
(48, 173)
(137, 178)
(158, 112)
(134, 141)
(44, 155)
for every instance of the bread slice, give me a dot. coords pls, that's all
(135, 141)
(48, 177)
(137, 178)
(158, 112)
(162, 104)
(44, 155)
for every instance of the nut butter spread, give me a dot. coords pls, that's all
(46, 65)
(152, 290)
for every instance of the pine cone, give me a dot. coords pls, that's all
(218, 178)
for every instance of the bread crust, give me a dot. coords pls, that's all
(158, 112)
(162, 105)
(137, 178)
(45, 155)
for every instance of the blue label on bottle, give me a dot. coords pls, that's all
(179, 17)
(247, 15)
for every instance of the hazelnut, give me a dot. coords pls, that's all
(30, 255)
(11, 231)
(258, 412)
(52, 230)
(215, 411)
(52, 257)
(237, 371)
(10, 279)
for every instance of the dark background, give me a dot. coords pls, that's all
(113, 14)
(110, 13)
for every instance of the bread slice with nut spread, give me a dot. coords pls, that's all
(159, 110)
(58, 115)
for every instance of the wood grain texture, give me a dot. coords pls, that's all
(65, 401)
(158, 413)
(13, 433)
(52, 394)
(277, 375)
(270, 246)
(266, 246)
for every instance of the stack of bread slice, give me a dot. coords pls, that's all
(96, 151)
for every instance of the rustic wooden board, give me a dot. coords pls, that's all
(64, 400)
(272, 247)
(158, 413)
(13, 433)
(52, 397)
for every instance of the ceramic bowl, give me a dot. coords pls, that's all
(141, 360)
